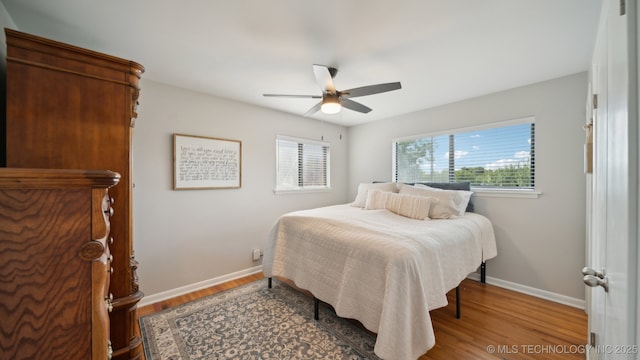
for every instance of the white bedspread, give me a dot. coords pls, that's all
(385, 270)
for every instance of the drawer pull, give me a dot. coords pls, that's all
(91, 250)
(109, 303)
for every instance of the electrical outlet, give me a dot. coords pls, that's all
(257, 254)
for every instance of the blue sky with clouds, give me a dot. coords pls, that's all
(489, 148)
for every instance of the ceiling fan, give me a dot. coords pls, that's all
(332, 99)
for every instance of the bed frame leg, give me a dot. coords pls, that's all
(483, 279)
(270, 283)
(316, 308)
(458, 302)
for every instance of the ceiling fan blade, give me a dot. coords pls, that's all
(314, 109)
(370, 90)
(294, 96)
(355, 106)
(324, 79)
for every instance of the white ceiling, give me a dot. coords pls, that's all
(440, 50)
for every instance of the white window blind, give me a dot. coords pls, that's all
(500, 156)
(301, 164)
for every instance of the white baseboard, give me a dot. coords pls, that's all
(165, 295)
(543, 294)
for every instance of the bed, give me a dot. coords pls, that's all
(382, 268)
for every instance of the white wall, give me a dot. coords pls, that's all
(5, 22)
(187, 236)
(540, 241)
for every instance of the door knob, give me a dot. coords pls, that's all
(594, 281)
(590, 271)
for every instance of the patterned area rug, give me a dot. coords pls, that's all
(253, 322)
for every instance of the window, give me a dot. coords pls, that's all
(501, 156)
(301, 164)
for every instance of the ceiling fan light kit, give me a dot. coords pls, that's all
(333, 100)
(330, 105)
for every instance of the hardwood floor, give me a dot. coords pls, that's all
(153, 308)
(496, 324)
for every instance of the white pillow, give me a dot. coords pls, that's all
(415, 207)
(363, 189)
(450, 203)
(460, 198)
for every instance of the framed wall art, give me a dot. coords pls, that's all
(201, 162)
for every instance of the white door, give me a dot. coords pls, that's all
(597, 200)
(614, 232)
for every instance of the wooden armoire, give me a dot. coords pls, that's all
(73, 108)
(54, 264)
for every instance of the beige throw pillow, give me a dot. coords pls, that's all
(415, 207)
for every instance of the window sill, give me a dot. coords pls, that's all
(300, 191)
(521, 194)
